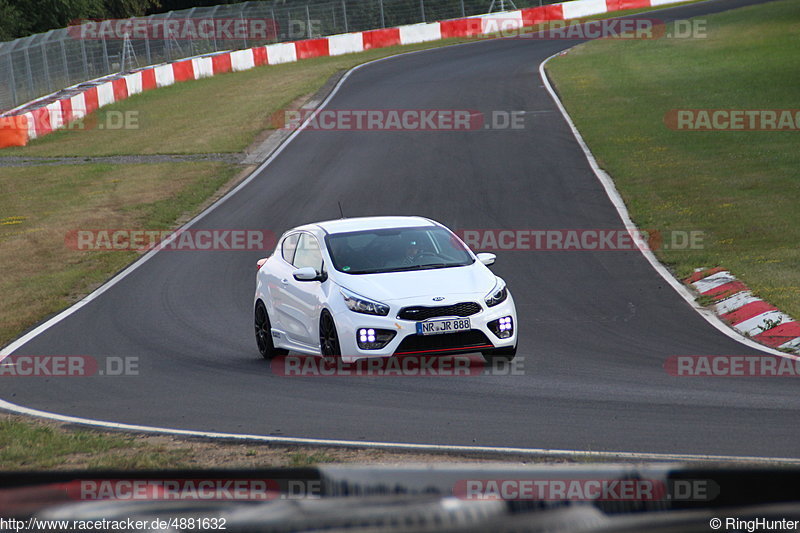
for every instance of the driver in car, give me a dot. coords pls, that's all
(413, 253)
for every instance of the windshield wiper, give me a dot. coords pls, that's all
(406, 268)
(418, 267)
(436, 265)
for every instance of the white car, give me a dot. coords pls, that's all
(355, 288)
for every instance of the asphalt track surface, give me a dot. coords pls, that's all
(596, 327)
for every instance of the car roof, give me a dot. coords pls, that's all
(346, 225)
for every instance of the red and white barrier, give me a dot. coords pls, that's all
(165, 75)
(346, 43)
(510, 20)
(420, 33)
(57, 114)
(203, 67)
(77, 106)
(242, 60)
(281, 53)
(747, 314)
(133, 83)
(55, 117)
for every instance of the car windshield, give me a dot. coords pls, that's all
(396, 250)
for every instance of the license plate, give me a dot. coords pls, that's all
(437, 327)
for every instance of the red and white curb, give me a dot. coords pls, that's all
(55, 111)
(751, 316)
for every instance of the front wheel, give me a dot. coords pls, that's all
(500, 354)
(264, 334)
(328, 339)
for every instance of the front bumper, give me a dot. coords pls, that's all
(408, 342)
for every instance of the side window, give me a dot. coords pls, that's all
(308, 253)
(289, 246)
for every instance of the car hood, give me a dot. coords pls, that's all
(475, 280)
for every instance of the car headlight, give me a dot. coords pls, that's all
(359, 304)
(498, 294)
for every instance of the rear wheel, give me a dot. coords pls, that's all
(264, 334)
(499, 355)
(329, 339)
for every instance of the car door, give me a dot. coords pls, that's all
(278, 276)
(303, 299)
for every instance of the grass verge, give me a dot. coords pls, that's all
(740, 188)
(33, 444)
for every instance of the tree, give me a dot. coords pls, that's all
(12, 23)
(130, 8)
(44, 15)
(37, 16)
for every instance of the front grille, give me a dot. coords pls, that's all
(465, 341)
(424, 313)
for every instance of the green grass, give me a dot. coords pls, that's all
(26, 446)
(298, 459)
(740, 188)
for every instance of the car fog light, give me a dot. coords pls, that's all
(502, 327)
(374, 339)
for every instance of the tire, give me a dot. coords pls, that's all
(500, 354)
(264, 333)
(329, 339)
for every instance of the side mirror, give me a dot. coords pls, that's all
(486, 258)
(308, 274)
(261, 262)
